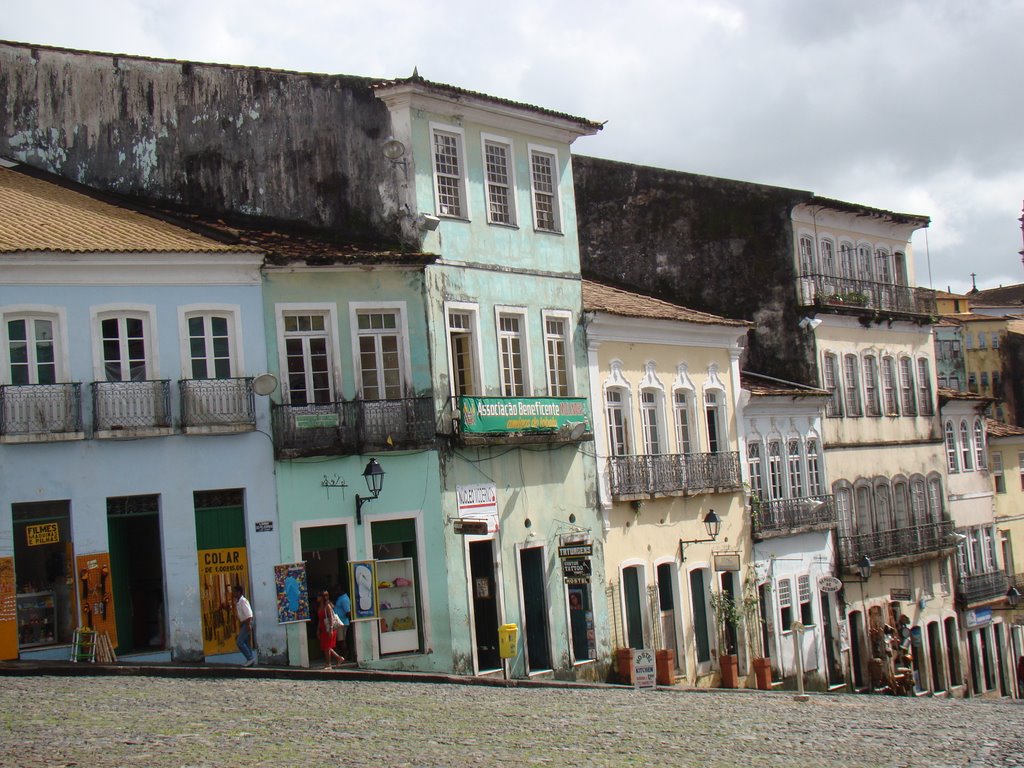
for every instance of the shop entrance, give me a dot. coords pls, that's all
(667, 610)
(485, 604)
(634, 607)
(45, 571)
(835, 673)
(136, 569)
(325, 552)
(535, 609)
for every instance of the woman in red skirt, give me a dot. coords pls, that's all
(325, 631)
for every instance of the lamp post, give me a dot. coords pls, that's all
(712, 523)
(374, 476)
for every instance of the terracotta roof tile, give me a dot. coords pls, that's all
(760, 385)
(603, 298)
(39, 215)
(1001, 429)
(956, 394)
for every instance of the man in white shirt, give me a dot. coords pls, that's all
(244, 639)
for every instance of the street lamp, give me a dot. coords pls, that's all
(1013, 597)
(713, 524)
(864, 566)
(374, 476)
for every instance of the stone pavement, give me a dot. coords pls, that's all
(268, 717)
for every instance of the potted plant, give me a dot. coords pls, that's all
(750, 609)
(727, 617)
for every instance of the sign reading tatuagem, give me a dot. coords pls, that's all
(522, 414)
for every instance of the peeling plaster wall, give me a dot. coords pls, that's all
(221, 140)
(712, 244)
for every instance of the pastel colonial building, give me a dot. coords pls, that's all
(136, 474)
(670, 478)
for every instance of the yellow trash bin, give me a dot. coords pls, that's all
(507, 636)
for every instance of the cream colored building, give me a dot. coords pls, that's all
(883, 444)
(665, 383)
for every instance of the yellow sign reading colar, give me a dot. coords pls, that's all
(44, 533)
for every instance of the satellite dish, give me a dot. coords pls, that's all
(264, 384)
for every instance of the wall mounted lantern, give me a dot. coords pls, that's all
(374, 476)
(713, 524)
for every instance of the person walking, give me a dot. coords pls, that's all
(245, 633)
(327, 630)
(343, 609)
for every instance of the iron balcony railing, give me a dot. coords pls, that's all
(40, 409)
(217, 402)
(781, 516)
(848, 292)
(130, 405)
(896, 543)
(673, 472)
(981, 587)
(353, 426)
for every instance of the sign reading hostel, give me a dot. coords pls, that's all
(645, 673)
(522, 414)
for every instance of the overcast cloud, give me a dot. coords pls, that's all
(911, 106)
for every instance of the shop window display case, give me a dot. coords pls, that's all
(37, 619)
(396, 587)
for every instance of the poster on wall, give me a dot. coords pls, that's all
(219, 571)
(8, 611)
(96, 594)
(362, 575)
(292, 593)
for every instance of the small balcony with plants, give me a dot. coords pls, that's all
(847, 293)
(217, 406)
(131, 409)
(33, 413)
(353, 427)
(786, 517)
(640, 476)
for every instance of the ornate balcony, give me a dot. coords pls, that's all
(916, 542)
(217, 405)
(131, 408)
(981, 588)
(672, 473)
(353, 427)
(849, 293)
(785, 517)
(40, 412)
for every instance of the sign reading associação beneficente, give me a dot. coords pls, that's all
(522, 414)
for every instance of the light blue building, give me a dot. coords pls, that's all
(135, 466)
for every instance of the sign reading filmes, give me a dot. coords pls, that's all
(522, 414)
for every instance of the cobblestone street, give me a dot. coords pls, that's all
(150, 721)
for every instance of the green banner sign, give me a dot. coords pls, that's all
(524, 414)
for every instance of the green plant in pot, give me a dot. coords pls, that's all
(749, 607)
(727, 617)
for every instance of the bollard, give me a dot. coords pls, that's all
(798, 652)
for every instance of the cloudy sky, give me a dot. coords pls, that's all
(914, 106)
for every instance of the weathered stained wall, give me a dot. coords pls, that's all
(219, 140)
(713, 244)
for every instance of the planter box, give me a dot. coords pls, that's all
(624, 665)
(763, 674)
(666, 665)
(730, 665)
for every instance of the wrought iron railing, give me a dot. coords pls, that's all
(831, 291)
(126, 405)
(896, 543)
(980, 587)
(217, 402)
(353, 426)
(673, 472)
(775, 516)
(40, 409)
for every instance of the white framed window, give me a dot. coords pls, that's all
(936, 497)
(449, 171)
(795, 465)
(827, 256)
(463, 352)
(775, 481)
(907, 387)
(755, 469)
(952, 463)
(981, 340)
(650, 421)
(966, 457)
(381, 349)
(33, 348)
(889, 399)
(544, 185)
(968, 340)
(998, 478)
(924, 387)
(927, 580)
(211, 339)
(851, 371)
(984, 381)
(979, 445)
(714, 422)
(557, 348)
(830, 382)
(308, 350)
(864, 269)
(883, 266)
(124, 337)
(807, 255)
(682, 403)
(785, 604)
(918, 501)
(815, 487)
(512, 351)
(995, 339)
(616, 404)
(499, 180)
(872, 403)
(803, 593)
(847, 261)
